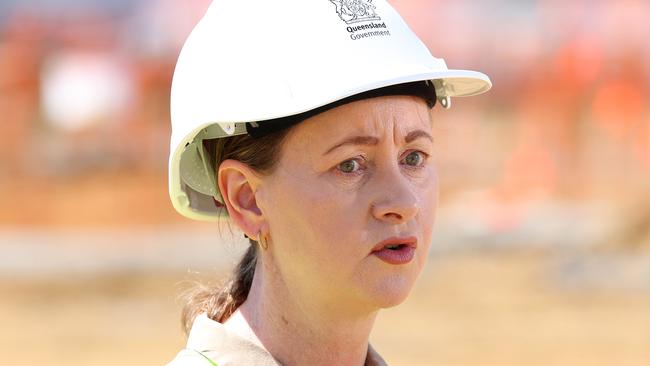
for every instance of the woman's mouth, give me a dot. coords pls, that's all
(396, 250)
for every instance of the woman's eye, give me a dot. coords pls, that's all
(349, 166)
(415, 158)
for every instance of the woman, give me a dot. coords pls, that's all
(306, 124)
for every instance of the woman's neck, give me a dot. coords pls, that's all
(302, 328)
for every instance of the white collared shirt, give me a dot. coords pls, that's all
(210, 343)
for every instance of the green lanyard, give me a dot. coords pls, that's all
(207, 358)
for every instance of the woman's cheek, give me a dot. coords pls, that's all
(333, 215)
(429, 211)
(326, 232)
(314, 203)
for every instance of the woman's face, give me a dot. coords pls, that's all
(348, 179)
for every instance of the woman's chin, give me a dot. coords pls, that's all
(391, 302)
(391, 292)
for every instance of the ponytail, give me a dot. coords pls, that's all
(220, 302)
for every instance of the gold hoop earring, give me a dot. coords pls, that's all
(263, 241)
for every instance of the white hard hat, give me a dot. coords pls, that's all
(257, 60)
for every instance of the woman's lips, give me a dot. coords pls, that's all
(396, 250)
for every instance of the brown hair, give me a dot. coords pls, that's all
(262, 154)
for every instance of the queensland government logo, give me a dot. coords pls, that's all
(360, 11)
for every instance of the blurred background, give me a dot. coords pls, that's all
(541, 253)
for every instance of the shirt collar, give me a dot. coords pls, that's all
(224, 347)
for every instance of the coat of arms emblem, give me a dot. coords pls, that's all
(353, 11)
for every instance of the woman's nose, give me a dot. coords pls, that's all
(396, 202)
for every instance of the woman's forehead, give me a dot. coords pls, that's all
(382, 117)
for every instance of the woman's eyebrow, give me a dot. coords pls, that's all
(355, 140)
(417, 134)
(371, 140)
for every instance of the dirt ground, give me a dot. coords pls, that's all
(467, 309)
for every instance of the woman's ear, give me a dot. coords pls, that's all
(237, 183)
